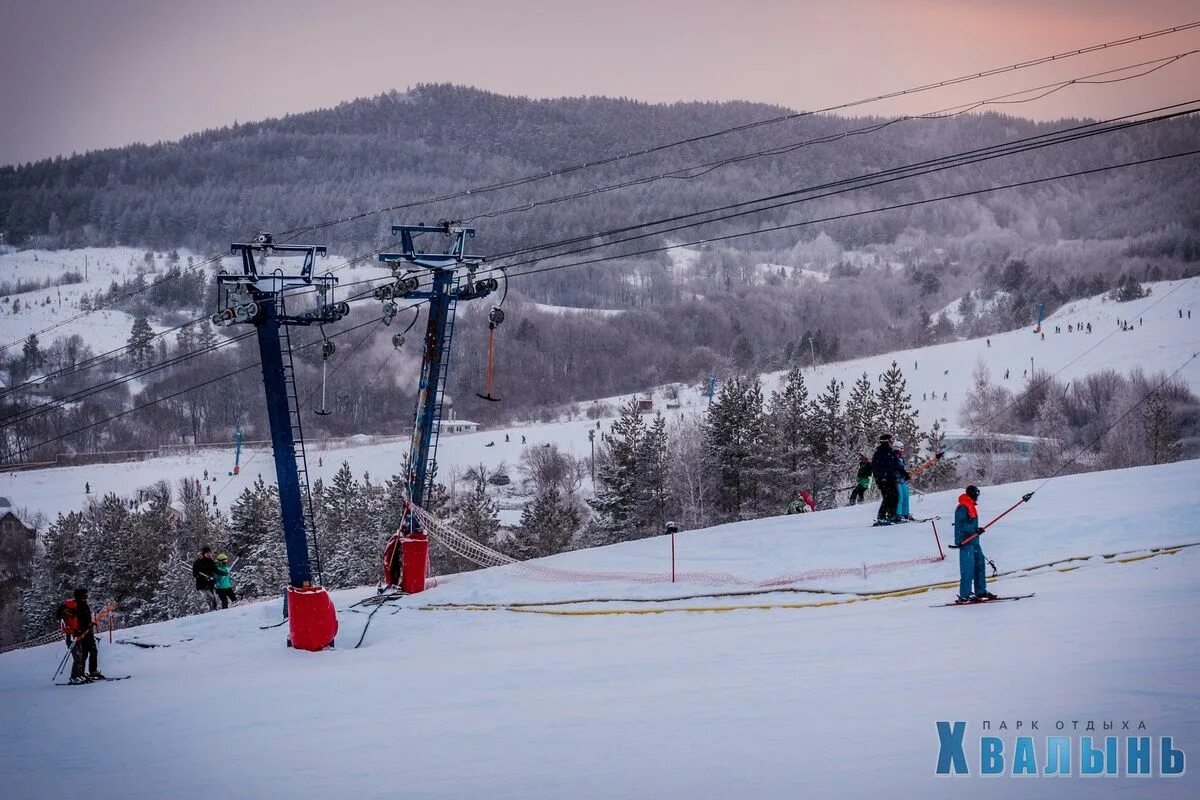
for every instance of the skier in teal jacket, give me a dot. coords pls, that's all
(972, 566)
(224, 582)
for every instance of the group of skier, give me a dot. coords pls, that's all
(889, 471)
(891, 476)
(214, 578)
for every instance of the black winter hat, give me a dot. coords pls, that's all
(973, 492)
(81, 593)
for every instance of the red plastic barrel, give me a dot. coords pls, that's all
(312, 619)
(415, 563)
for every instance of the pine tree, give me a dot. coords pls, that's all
(831, 462)
(139, 344)
(1161, 428)
(735, 445)
(618, 477)
(654, 494)
(896, 413)
(31, 353)
(340, 521)
(476, 516)
(256, 535)
(56, 573)
(789, 450)
(548, 526)
(863, 415)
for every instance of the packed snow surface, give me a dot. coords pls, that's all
(782, 699)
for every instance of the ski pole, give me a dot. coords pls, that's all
(63, 663)
(969, 539)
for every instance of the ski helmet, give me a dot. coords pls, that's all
(898, 445)
(973, 492)
(885, 437)
(222, 557)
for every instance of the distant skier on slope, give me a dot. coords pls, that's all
(75, 621)
(204, 570)
(972, 566)
(862, 480)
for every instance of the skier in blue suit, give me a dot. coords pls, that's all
(972, 566)
(903, 513)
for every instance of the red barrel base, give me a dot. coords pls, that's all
(312, 619)
(415, 563)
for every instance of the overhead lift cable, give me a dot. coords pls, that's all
(855, 183)
(540, 176)
(1111, 44)
(699, 170)
(958, 195)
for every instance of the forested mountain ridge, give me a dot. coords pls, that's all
(861, 285)
(221, 184)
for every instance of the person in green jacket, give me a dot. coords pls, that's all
(224, 582)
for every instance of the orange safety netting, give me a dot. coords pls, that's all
(466, 547)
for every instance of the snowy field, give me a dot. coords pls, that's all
(103, 330)
(786, 699)
(1160, 343)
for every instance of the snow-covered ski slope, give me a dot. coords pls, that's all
(776, 700)
(1161, 342)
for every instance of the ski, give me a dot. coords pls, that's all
(985, 602)
(95, 680)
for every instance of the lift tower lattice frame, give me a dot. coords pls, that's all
(260, 300)
(448, 286)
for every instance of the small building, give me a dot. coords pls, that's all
(451, 426)
(11, 524)
(645, 405)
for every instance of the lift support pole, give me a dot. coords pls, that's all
(257, 299)
(446, 289)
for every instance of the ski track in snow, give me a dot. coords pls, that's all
(839, 701)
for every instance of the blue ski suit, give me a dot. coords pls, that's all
(972, 567)
(902, 505)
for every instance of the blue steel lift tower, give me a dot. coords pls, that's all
(260, 300)
(452, 278)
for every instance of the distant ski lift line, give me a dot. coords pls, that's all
(657, 148)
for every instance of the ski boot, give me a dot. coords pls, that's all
(96, 676)
(962, 601)
(983, 598)
(77, 680)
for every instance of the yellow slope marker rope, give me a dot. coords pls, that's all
(854, 597)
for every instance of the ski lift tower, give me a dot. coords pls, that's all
(452, 275)
(261, 300)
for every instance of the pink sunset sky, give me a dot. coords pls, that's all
(84, 74)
